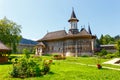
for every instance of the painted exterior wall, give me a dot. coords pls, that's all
(70, 47)
(54, 47)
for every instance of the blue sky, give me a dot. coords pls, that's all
(36, 17)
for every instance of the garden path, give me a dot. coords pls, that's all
(94, 66)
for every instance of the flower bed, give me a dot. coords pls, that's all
(59, 57)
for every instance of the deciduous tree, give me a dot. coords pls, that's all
(10, 33)
(107, 39)
(118, 47)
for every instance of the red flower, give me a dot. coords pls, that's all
(99, 66)
(50, 61)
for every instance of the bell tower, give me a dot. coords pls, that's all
(73, 22)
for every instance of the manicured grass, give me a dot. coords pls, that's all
(20, 55)
(113, 66)
(86, 60)
(4, 70)
(70, 69)
(67, 71)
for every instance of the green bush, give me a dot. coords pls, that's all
(109, 56)
(46, 66)
(29, 67)
(59, 57)
(10, 58)
(26, 52)
(26, 68)
(117, 54)
(47, 54)
(103, 52)
(84, 56)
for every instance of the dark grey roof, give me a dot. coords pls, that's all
(73, 14)
(73, 17)
(83, 32)
(63, 35)
(89, 30)
(41, 44)
(54, 35)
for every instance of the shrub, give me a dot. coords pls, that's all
(46, 66)
(59, 57)
(47, 54)
(103, 52)
(29, 67)
(25, 68)
(109, 56)
(26, 52)
(84, 56)
(14, 72)
(117, 54)
(11, 57)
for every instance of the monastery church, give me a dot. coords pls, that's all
(74, 43)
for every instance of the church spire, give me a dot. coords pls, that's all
(89, 30)
(73, 16)
(73, 21)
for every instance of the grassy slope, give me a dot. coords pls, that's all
(69, 70)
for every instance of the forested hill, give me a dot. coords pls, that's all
(28, 41)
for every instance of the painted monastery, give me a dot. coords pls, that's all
(74, 43)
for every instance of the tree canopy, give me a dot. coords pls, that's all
(106, 39)
(118, 47)
(10, 33)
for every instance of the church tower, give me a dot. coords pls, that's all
(73, 21)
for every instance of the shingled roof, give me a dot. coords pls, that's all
(3, 47)
(83, 32)
(54, 35)
(73, 17)
(73, 14)
(63, 35)
(41, 44)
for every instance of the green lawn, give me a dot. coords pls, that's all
(4, 70)
(70, 69)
